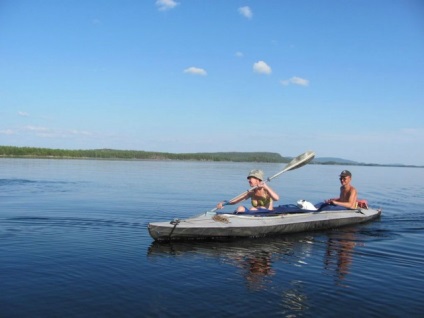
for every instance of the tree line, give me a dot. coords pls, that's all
(32, 152)
(271, 157)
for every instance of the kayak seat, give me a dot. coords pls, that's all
(363, 204)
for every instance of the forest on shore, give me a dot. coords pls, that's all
(271, 157)
(31, 152)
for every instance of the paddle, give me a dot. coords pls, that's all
(297, 162)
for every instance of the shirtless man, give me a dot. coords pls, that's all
(348, 194)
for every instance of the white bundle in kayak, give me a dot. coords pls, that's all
(305, 205)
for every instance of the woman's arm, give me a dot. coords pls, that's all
(271, 192)
(238, 199)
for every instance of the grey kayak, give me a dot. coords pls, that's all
(212, 225)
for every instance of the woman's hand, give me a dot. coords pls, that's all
(220, 205)
(263, 185)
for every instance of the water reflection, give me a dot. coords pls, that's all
(255, 257)
(256, 267)
(276, 263)
(339, 253)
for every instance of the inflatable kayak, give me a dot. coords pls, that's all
(283, 219)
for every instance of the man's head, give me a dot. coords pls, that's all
(345, 175)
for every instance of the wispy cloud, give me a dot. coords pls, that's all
(296, 81)
(36, 128)
(262, 68)
(23, 114)
(413, 134)
(195, 71)
(246, 12)
(7, 132)
(239, 54)
(164, 5)
(46, 132)
(96, 21)
(60, 135)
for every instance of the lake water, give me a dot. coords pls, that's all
(74, 243)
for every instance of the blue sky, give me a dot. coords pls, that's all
(344, 78)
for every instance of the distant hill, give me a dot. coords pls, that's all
(238, 156)
(334, 160)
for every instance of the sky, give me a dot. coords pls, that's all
(343, 78)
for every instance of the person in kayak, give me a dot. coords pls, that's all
(348, 194)
(262, 196)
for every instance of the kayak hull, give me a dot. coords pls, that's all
(224, 226)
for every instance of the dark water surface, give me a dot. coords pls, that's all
(74, 243)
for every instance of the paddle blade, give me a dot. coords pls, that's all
(300, 161)
(297, 162)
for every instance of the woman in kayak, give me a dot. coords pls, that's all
(262, 196)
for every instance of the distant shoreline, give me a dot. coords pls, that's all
(112, 154)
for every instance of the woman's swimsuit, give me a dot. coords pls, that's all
(261, 201)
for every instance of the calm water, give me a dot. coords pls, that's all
(74, 243)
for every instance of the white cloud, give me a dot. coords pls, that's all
(296, 81)
(246, 12)
(262, 68)
(23, 114)
(299, 81)
(195, 71)
(239, 54)
(164, 5)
